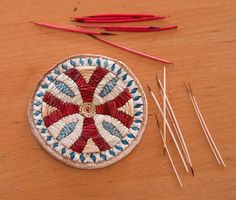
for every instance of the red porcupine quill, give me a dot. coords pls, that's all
(97, 20)
(123, 15)
(129, 28)
(140, 29)
(113, 26)
(103, 18)
(131, 50)
(59, 27)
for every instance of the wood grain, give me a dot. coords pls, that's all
(203, 50)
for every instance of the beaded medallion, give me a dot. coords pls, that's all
(88, 111)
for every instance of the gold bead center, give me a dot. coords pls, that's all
(87, 109)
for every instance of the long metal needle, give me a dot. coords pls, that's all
(169, 128)
(168, 154)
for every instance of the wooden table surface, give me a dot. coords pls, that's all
(203, 50)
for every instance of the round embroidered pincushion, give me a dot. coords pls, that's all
(88, 111)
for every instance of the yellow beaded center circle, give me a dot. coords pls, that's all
(87, 109)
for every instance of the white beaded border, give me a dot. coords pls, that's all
(79, 62)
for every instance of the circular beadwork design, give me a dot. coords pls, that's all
(88, 111)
